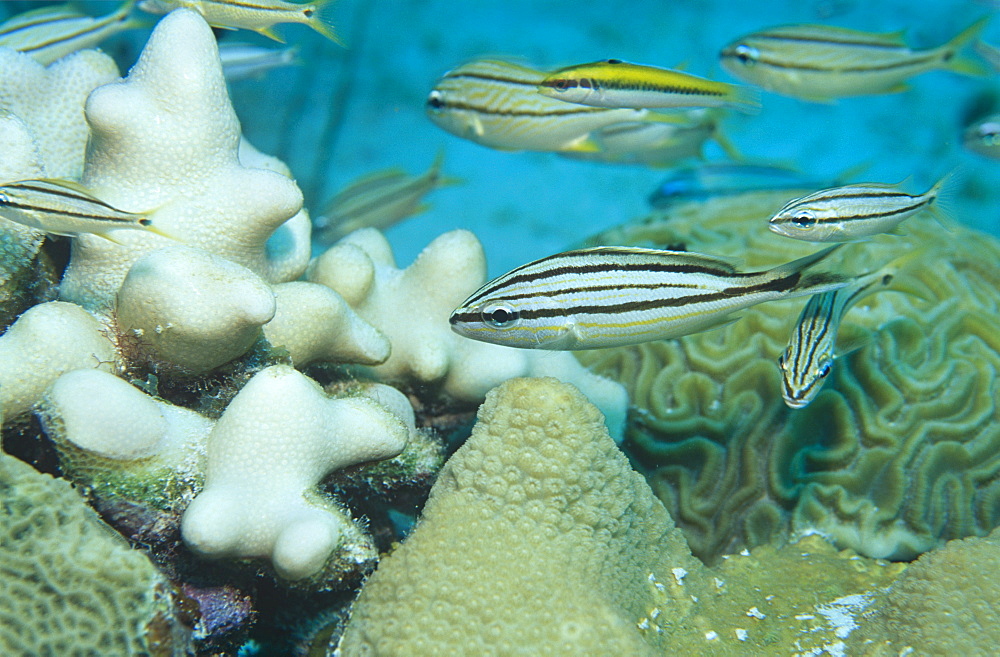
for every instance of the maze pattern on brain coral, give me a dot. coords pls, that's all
(898, 453)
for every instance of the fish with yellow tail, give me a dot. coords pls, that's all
(821, 62)
(50, 33)
(379, 200)
(64, 207)
(853, 212)
(495, 103)
(610, 296)
(617, 84)
(258, 15)
(808, 360)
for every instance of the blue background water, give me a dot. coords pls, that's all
(347, 112)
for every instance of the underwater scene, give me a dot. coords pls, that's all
(418, 329)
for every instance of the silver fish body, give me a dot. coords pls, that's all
(61, 207)
(850, 213)
(50, 33)
(258, 15)
(496, 103)
(241, 61)
(614, 296)
(821, 62)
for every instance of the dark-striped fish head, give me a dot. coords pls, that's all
(984, 137)
(804, 370)
(804, 219)
(740, 59)
(535, 323)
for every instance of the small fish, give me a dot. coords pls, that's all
(241, 61)
(716, 179)
(378, 200)
(990, 53)
(654, 144)
(611, 296)
(617, 84)
(64, 207)
(258, 15)
(50, 33)
(853, 212)
(808, 359)
(495, 103)
(983, 137)
(820, 62)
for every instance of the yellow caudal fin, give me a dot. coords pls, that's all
(316, 20)
(746, 99)
(952, 61)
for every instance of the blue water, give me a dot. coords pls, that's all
(528, 205)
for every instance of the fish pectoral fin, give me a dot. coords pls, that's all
(477, 127)
(850, 344)
(582, 144)
(721, 322)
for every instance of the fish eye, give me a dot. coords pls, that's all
(434, 100)
(824, 370)
(499, 315)
(746, 54)
(803, 219)
(561, 84)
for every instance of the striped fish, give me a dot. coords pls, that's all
(496, 103)
(819, 62)
(659, 144)
(64, 207)
(241, 61)
(853, 212)
(983, 137)
(258, 15)
(611, 296)
(379, 200)
(614, 83)
(50, 33)
(808, 360)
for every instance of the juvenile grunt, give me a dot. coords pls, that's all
(50, 33)
(614, 83)
(611, 296)
(821, 62)
(852, 212)
(258, 15)
(495, 103)
(63, 207)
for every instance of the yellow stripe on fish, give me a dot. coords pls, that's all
(50, 33)
(852, 212)
(379, 200)
(258, 15)
(618, 84)
(495, 103)
(613, 296)
(64, 207)
(819, 62)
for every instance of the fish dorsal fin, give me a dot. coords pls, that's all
(673, 257)
(71, 185)
(40, 15)
(845, 34)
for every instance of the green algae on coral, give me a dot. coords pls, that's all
(897, 454)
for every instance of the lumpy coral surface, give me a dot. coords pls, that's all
(898, 453)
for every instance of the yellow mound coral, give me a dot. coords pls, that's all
(68, 584)
(538, 538)
(898, 453)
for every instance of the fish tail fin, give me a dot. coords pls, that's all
(435, 172)
(900, 281)
(942, 198)
(317, 21)
(795, 279)
(746, 99)
(965, 65)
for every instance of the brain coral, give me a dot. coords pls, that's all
(537, 539)
(68, 584)
(898, 453)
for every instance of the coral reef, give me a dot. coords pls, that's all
(897, 454)
(571, 535)
(68, 585)
(425, 351)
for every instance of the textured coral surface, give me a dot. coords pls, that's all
(538, 539)
(68, 584)
(901, 449)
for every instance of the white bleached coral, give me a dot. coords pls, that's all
(276, 440)
(165, 139)
(45, 342)
(192, 309)
(411, 307)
